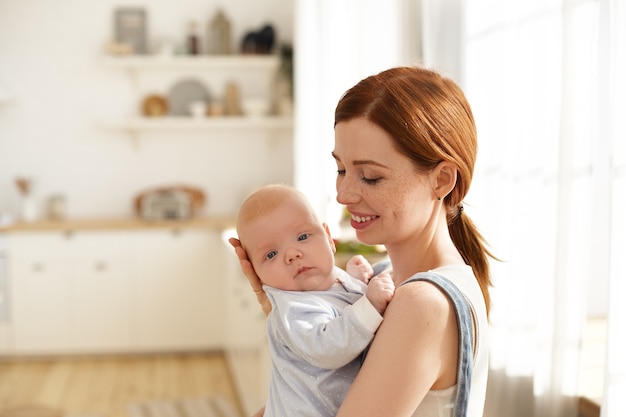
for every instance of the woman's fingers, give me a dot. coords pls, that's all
(250, 274)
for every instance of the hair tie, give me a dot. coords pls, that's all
(460, 208)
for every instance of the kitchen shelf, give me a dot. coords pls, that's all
(148, 124)
(142, 62)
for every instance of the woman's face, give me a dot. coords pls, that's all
(388, 199)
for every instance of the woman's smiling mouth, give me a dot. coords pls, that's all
(361, 222)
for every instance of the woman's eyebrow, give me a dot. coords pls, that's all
(363, 162)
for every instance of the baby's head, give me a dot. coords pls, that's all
(288, 246)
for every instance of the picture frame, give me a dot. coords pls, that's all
(130, 28)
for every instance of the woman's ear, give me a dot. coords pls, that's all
(443, 178)
(331, 242)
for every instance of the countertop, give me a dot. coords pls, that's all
(70, 225)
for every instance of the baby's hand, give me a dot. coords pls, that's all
(380, 291)
(359, 268)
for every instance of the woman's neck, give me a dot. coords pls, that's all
(417, 255)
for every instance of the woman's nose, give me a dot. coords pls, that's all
(346, 192)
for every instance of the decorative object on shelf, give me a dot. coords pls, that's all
(29, 209)
(119, 48)
(185, 92)
(232, 103)
(164, 48)
(260, 42)
(283, 83)
(218, 36)
(169, 203)
(285, 70)
(193, 42)
(154, 105)
(130, 28)
(198, 109)
(255, 106)
(56, 207)
(215, 109)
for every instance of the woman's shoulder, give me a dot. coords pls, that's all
(421, 296)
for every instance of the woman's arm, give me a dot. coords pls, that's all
(414, 351)
(253, 278)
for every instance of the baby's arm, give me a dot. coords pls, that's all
(359, 268)
(380, 291)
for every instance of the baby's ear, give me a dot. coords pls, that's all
(331, 242)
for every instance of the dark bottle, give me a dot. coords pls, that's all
(193, 43)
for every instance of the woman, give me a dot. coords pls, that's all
(405, 147)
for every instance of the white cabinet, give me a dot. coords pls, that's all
(115, 291)
(178, 295)
(69, 292)
(41, 310)
(101, 277)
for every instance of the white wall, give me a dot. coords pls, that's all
(49, 60)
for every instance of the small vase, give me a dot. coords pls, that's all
(29, 209)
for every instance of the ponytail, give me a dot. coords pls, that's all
(473, 248)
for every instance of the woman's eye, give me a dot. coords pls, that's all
(370, 181)
(341, 172)
(303, 236)
(271, 254)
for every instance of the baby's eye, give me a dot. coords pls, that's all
(271, 254)
(303, 236)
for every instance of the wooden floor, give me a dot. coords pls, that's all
(104, 386)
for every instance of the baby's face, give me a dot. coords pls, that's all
(290, 249)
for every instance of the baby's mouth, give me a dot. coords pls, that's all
(301, 270)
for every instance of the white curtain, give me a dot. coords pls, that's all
(542, 77)
(612, 110)
(546, 80)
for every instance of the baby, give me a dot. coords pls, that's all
(320, 323)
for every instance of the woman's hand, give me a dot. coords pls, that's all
(253, 278)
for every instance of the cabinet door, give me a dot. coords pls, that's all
(178, 291)
(101, 307)
(101, 290)
(41, 293)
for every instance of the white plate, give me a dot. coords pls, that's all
(183, 93)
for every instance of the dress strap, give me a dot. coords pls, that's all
(466, 336)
